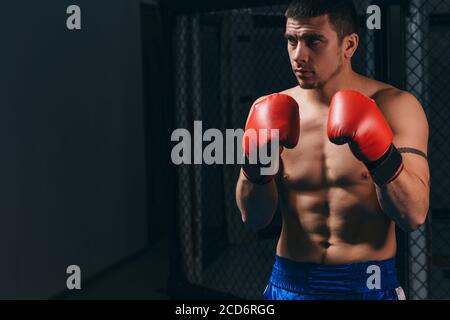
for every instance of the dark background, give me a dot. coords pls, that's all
(86, 118)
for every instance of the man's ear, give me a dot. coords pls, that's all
(350, 44)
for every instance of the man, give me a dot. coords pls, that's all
(358, 166)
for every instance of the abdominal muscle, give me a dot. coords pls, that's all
(333, 222)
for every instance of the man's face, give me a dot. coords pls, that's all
(314, 50)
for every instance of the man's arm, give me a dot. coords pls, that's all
(257, 203)
(406, 199)
(256, 193)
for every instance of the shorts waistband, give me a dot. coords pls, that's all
(358, 277)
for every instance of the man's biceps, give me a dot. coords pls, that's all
(411, 141)
(410, 128)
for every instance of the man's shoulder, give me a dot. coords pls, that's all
(384, 93)
(391, 99)
(400, 108)
(294, 92)
(291, 91)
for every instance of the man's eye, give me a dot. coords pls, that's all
(292, 42)
(313, 42)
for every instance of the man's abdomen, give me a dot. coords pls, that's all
(334, 226)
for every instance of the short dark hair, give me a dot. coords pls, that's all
(342, 13)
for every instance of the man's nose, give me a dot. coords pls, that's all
(301, 53)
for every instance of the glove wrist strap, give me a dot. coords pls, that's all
(253, 173)
(387, 168)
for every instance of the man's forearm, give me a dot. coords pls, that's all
(405, 200)
(257, 203)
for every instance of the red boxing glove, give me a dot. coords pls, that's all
(276, 111)
(355, 119)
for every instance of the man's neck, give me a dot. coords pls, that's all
(344, 80)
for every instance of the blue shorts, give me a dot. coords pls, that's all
(371, 280)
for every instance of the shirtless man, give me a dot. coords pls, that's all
(359, 167)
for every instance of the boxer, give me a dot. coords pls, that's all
(353, 165)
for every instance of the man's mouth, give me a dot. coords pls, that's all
(303, 72)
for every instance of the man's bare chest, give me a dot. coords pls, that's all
(316, 163)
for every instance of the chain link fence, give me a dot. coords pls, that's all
(223, 62)
(427, 56)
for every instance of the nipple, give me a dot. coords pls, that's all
(365, 175)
